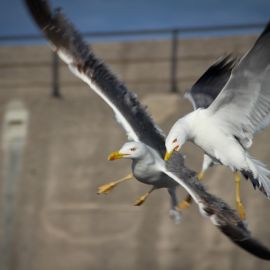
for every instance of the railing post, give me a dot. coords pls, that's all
(55, 76)
(173, 71)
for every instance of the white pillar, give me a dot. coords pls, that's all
(14, 135)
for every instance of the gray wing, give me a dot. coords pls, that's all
(244, 103)
(209, 85)
(70, 46)
(220, 214)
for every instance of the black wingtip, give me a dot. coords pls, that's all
(255, 248)
(226, 62)
(239, 235)
(223, 65)
(40, 10)
(209, 85)
(56, 27)
(258, 57)
(255, 181)
(265, 31)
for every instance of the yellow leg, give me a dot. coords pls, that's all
(239, 206)
(106, 188)
(142, 199)
(200, 175)
(188, 200)
(185, 203)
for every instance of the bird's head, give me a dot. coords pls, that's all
(175, 139)
(133, 150)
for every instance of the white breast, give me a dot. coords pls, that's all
(215, 141)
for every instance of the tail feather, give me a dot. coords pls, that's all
(258, 174)
(249, 176)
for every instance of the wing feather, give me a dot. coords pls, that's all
(72, 49)
(219, 213)
(244, 102)
(209, 85)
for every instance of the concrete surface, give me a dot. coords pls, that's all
(58, 220)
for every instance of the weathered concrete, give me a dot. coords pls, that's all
(59, 222)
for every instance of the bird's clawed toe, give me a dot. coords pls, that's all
(185, 203)
(140, 200)
(175, 216)
(106, 188)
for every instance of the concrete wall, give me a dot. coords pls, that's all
(51, 217)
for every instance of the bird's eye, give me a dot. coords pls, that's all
(174, 141)
(132, 149)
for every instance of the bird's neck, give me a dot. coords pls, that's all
(187, 123)
(193, 123)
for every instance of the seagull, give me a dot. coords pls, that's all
(69, 45)
(202, 94)
(146, 147)
(146, 162)
(225, 130)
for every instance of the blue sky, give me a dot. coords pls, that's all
(107, 15)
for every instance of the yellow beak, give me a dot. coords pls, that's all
(169, 154)
(116, 155)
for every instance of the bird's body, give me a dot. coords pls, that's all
(205, 90)
(146, 169)
(151, 176)
(222, 146)
(215, 140)
(226, 128)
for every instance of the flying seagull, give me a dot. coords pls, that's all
(69, 45)
(147, 142)
(146, 164)
(203, 93)
(226, 128)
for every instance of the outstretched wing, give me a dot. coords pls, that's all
(244, 103)
(209, 85)
(72, 49)
(220, 214)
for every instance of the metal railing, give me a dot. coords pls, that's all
(172, 33)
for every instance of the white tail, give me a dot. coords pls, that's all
(260, 173)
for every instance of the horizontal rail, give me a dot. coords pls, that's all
(173, 35)
(182, 30)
